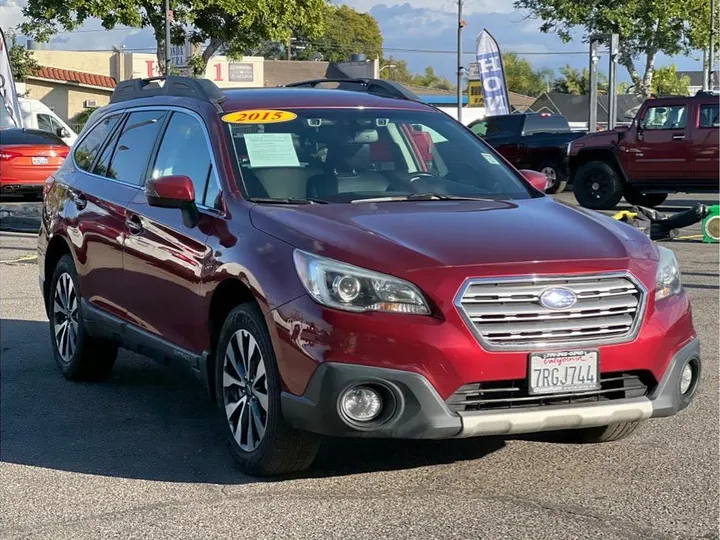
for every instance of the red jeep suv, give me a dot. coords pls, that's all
(349, 261)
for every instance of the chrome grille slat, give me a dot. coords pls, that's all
(626, 301)
(507, 314)
(514, 394)
(553, 396)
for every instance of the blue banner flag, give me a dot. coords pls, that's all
(492, 75)
(9, 104)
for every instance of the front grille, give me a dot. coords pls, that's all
(514, 394)
(507, 314)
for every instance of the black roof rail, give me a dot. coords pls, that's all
(378, 87)
(202, 89)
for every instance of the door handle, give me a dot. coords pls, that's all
(679, 137)
(134, 224)
(79, 200)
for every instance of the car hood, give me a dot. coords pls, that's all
(400, 237)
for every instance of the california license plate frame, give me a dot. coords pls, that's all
(563, 372)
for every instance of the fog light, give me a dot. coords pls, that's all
(361, 403)
(686, 379)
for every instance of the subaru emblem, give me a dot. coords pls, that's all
(558, 298)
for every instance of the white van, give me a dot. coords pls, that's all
(36, 115)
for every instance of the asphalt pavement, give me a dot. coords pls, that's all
(142, 456)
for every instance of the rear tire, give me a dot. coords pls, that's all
(597, 186)
(557, 178)
(637, 198)
(594, 435)
(247, 383)
(78, 355)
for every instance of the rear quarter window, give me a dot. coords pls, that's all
(87, 150)
(504, 126)
(29, 137)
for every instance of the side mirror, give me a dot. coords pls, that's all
(537, 180)
(174, 192)
(62, 132)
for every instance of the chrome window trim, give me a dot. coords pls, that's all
(144, 108)
(541, 346)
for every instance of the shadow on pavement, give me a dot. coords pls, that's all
(150, 422)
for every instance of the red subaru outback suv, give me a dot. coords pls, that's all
(352, 262)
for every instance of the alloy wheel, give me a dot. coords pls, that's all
(551, 175)
(65, 317)
(245, 390)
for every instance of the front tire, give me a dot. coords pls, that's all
(78, 355)
(557, 179)
(597, 186)
(247, 383)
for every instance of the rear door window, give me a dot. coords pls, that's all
(184, 151)
(134, 146)
(709, 115)
(88, 149)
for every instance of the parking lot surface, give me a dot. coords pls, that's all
(141, 455)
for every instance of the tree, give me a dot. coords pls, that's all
(666, 82)
(232, 24)
(346, 32)
(575, 81)
(522, 78)
(400, 73)
(22, 61)
(645, 27)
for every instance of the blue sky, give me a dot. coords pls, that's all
(406, 25)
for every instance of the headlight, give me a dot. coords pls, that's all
(668, 275)
(347, 287)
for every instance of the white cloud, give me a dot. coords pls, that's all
(469, 6)
(11, 13)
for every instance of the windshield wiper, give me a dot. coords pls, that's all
(423, 197)
(289, 200)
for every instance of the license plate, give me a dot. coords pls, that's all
(39, 161)
(562, 372)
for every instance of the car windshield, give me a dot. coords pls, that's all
(357, 155)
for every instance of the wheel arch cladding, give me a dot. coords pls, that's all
(229, 294)
(598, 154)
(56, 250)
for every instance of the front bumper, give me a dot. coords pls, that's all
(420, 412)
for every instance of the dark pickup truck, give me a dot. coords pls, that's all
(537, 141)
(671, 146)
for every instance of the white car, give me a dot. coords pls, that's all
(36, 115)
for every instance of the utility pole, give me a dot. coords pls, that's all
(612, 80)
(461, 24)
(594, 59)
(167, 37)
(711, 48)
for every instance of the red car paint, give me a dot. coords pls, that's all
(166, 279)
(28, 158)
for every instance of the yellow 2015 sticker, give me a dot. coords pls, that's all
(259, 116)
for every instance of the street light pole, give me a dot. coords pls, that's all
(167, 37)
(459, 61)
(711, 48)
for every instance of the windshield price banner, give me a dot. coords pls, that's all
(492, 75)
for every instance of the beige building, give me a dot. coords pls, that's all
(71, 81)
